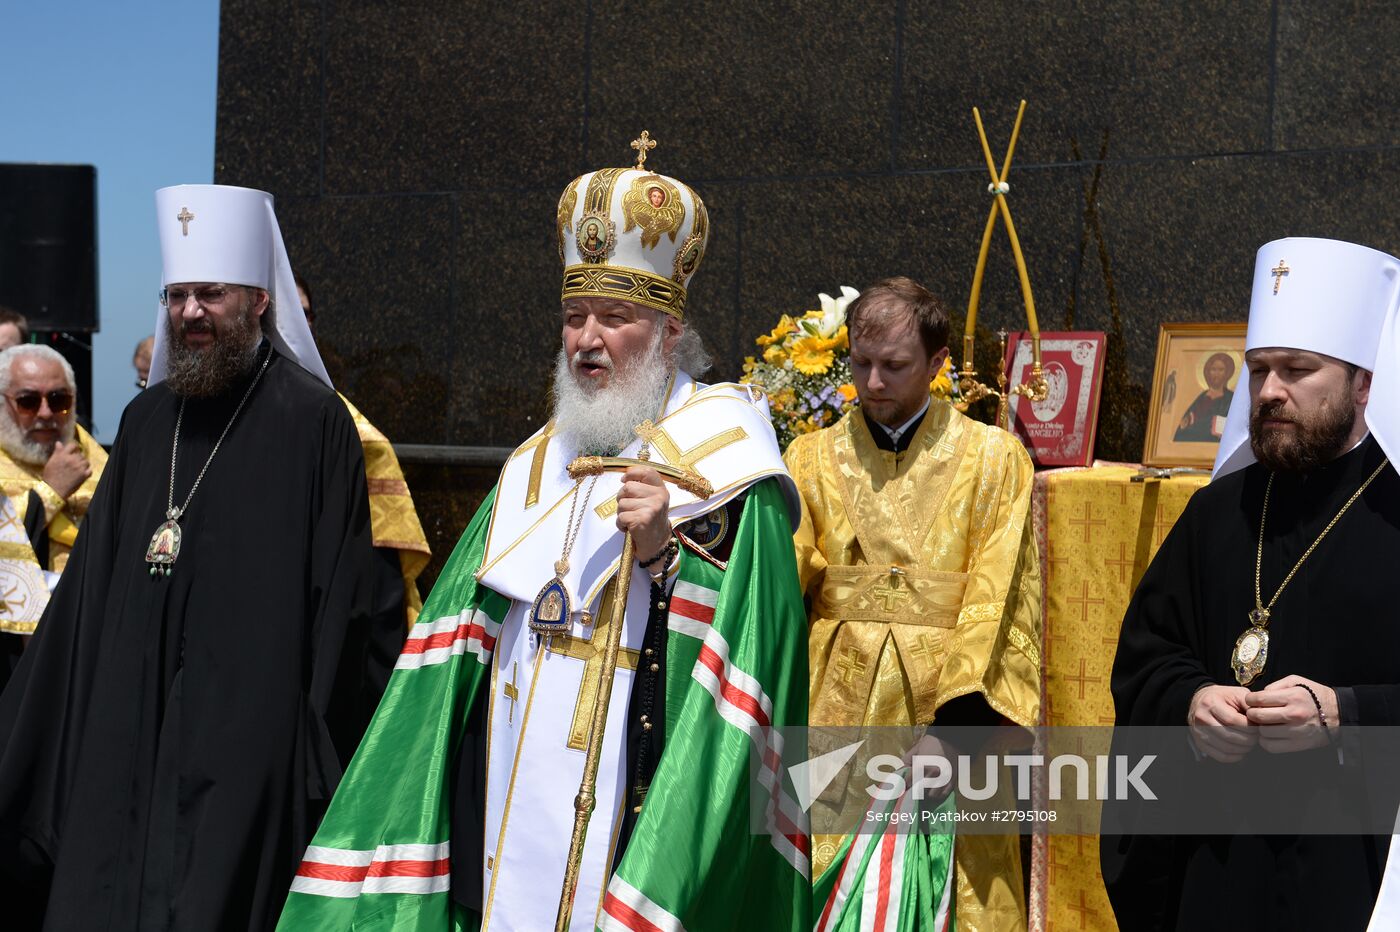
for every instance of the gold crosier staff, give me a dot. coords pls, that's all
(1035, 388)
(696, 485)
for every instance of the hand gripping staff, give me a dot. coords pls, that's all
(696, 485)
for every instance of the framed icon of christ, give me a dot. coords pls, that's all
(1198, 371)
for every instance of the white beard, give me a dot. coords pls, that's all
(22, 449)
(602, 421)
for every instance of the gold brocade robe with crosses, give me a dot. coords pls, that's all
(62, 515)
(921, 574)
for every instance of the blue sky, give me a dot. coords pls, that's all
(128, 87)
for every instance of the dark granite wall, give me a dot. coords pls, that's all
(417, 150)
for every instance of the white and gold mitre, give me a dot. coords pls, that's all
(631, 234)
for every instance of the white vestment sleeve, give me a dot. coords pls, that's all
(1386, 915)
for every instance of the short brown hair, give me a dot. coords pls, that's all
(928, 313)
(8, 316)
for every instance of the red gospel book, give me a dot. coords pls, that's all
(1060, 430)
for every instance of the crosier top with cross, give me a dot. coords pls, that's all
(184, 216)
(676, 458)
(1278, 272)
(643, 144)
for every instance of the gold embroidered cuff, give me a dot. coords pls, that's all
(53, 502)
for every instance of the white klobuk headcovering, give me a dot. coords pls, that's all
(1324, 296)
(221, 234)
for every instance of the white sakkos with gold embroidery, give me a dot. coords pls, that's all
(543, 692)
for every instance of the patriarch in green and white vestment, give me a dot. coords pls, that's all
(458, 808)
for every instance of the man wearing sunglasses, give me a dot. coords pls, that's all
(49, 466)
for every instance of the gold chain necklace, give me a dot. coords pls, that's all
(1252, 648)
(551, 610)
(164, 548)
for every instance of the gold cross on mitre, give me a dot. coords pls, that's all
(184, 216)
(1035, 388)
(643, 144)
(1278, 272)
(591, 652)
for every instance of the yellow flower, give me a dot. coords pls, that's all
(786, 325)
(812, 355)
(942, 384)
(848, 392)
(774, 355)
(781, 400)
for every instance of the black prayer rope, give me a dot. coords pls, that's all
(1320, 717)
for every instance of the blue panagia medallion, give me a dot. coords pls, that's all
(551, 611)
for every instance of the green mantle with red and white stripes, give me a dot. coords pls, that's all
(896, 880)
(719, 844)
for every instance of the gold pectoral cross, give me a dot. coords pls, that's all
(184, 216)
(590, 651)
(663, 443)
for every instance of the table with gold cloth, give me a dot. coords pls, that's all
(1097, 530)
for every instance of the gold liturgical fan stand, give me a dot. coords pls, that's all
(1035, 387)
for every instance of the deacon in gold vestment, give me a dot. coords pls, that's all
(393, 518)
(918, 561)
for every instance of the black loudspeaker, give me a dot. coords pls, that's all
(48, 245)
